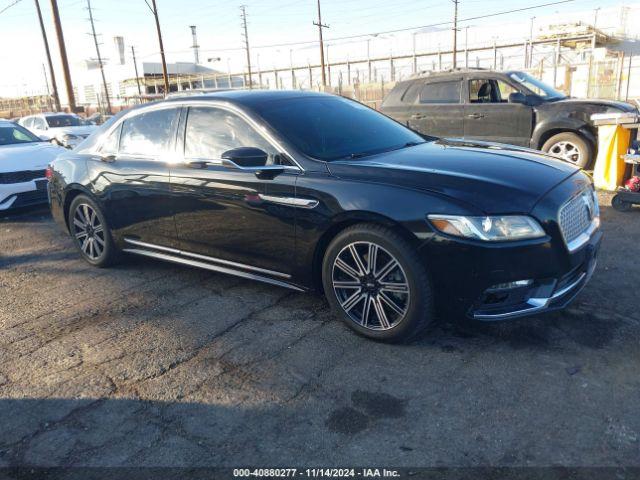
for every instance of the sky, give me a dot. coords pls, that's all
(219, 29)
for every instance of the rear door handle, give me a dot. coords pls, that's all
(476, 115)
(417, 116)
(108, 158)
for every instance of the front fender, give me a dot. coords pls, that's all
(343, 202)
(565, 124)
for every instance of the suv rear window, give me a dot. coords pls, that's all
(441, 92)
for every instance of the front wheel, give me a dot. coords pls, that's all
(90, 232)
(571, 148)
(377, 283)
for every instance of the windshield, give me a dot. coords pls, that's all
(55, 121)
(536, 86)
(13, 134)
(331, 128)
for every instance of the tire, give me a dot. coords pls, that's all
(93, 238)
(571, 148)
(620, 205)
(356, 295)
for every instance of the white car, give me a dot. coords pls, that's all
(23, 162)
(64, 129)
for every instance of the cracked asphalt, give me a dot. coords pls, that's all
(153, 364)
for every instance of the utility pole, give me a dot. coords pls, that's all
(195, 46)
(320, 26)
(530, 60)
(135, 66)
(52, 74)
(455, 32)
(246, 40)
(154, 9)
(95, 41)
(46, 83)
(63, 55)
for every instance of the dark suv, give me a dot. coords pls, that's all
(508, 107)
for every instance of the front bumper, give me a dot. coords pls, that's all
(463, 273)
(16, 195)
(543, 295)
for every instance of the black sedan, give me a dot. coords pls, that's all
(313, 191)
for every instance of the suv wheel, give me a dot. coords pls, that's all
(571, 148)
(376, 282)
(90, 232)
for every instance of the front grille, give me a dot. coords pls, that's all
(21, 177)
(576, 215)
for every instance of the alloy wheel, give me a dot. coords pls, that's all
(567, 151)
(370, 285)
(88, 231)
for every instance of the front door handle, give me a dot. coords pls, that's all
(476, 115)
(417, 116)
(108, 158)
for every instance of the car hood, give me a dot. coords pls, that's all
(486, 177)
(28, 156)
(595, 105)
(79, 130)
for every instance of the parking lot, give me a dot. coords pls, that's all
(154, 364)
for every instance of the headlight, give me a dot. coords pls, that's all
(489, 229)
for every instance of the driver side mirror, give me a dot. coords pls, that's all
(518, 97)
(529, 100)
(244, 157)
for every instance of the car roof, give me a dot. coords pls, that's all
(57, 114)
(249, 98)
(426, 74)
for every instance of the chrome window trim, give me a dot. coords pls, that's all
(189, 102)
(185, 253)
(133, 113)
(260, 130)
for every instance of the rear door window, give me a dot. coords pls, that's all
(441, 92)
(150, 133)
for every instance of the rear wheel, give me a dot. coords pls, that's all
(620, 205)
(376, 282)
(571, 148)
(90, 232)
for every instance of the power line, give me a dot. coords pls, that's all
(12, 4)
(406, 29)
